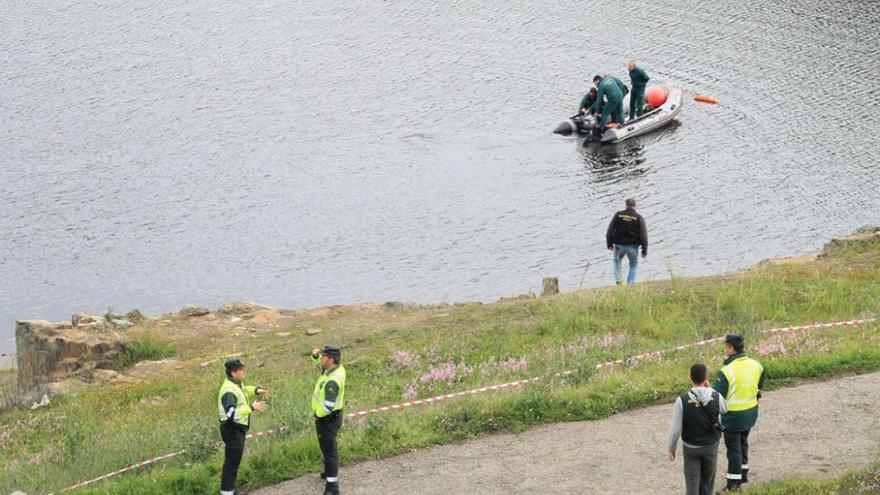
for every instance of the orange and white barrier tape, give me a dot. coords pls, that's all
(491, 388)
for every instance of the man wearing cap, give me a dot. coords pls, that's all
(327, 401)
(236, 403)
(740, 382)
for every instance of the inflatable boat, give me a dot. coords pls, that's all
(650, 121)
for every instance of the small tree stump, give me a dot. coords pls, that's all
(549, 286)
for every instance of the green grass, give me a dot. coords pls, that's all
(103, 428)
(144, 348)
(865, 482)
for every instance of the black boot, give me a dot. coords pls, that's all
(331, 489)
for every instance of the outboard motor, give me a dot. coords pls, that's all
(573, 125)
(566, 127)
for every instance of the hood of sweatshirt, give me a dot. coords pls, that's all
(702, 394)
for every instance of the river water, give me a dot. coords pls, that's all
(156, 153)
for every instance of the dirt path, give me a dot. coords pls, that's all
(815, 430)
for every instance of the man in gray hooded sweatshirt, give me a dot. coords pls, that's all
(697, 419)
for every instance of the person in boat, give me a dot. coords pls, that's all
(587, 101)
(639, 80)
(609, 100)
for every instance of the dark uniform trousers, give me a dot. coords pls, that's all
(737, 443)
(233, 438)
(327, 428)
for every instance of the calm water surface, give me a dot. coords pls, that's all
(155, 153)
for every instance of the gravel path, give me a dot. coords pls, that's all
(814, 430)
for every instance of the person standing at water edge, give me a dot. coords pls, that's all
(740, 381)
(697, 419)
(626, 232)
(638, 80)
(327, 401)
(236, 404)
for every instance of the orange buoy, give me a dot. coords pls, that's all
(705, 99)
(656, 96)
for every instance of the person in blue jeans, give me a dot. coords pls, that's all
(626, 233)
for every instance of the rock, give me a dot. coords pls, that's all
(193, 310)
(51, 352)
(18, 492)
(122, 323)
(862, 236)
(265, 317)
(145, 369)
(549, 286)
(80, 319)
(134, 316)
(234, 319)
(43, 403)
(237, 308)
(313, 331)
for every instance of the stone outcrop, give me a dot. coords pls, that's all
(85, 319)
(53, 352)
(861, 237)
(192, 310)
(549, 286)
(237, 308)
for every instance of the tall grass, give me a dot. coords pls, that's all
(865, 482)
(10, 396)
(142, 349)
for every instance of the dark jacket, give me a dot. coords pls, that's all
(628, 228)
(638, 78)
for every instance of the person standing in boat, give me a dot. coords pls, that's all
(638, 79)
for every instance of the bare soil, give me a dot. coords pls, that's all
(815, 430)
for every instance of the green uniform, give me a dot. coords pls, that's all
(639, 79)
(234, 403)
(327, 401)
(740, 382)
(612, 90)
(586, 102)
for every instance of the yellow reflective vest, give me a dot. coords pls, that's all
(321, 406)
(244, 395)
(743, 375)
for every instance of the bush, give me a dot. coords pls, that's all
(143, 349)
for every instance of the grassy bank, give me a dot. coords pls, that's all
(866, 482)
(400, 352)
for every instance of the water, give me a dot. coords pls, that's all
(157, 153)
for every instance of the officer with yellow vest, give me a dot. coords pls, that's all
(327, 401)
(740, 382)
(236, 404)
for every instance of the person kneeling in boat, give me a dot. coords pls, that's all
(587, 102)
(609, 100)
